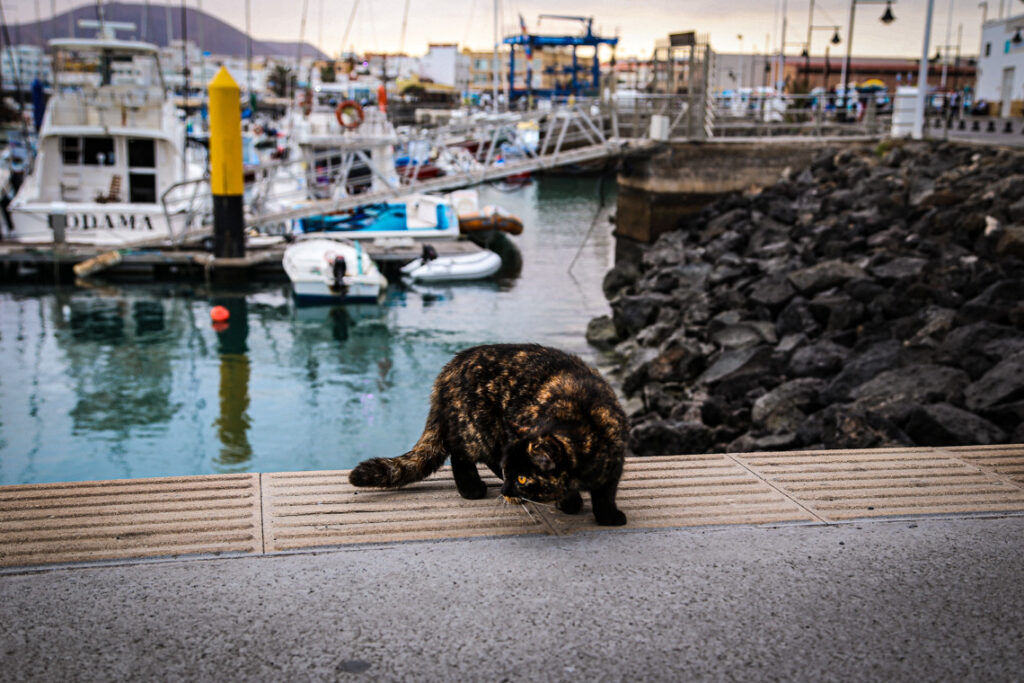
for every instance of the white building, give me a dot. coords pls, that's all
(1001, 66)
(23, 64)
(444, 64)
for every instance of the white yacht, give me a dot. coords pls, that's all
(111, 155)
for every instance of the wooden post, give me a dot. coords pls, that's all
(226, 178)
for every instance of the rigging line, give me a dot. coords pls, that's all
(320, 26)
(828, 16)
(302, 36)
(593, 223)
(348, 26)
(405, 21)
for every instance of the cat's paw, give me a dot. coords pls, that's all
(571, 503)
(613, 517)
(473, 491)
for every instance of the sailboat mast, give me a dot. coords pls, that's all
(494, 62)
(248, 48)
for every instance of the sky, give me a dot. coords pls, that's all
(377, 24)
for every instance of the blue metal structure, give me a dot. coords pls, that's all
(531, 40)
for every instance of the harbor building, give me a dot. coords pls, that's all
(22, 64)
(1001, 66)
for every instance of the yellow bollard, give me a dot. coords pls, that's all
(226, 177)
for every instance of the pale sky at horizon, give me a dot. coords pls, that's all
(377, 24)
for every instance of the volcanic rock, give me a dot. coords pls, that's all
(942, 424)
(1003, 383)
(859, 302)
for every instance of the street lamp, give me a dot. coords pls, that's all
(886, 18)
(806, 52)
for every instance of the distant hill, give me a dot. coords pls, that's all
(217, 36)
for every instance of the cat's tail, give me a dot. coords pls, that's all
(423, 460)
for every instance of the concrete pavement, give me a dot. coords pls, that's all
(922, 599)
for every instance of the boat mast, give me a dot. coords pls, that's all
(248, 49)
(184, 73)
(494, 63)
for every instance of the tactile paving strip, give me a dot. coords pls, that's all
(839, 485)
(80, 522)
(1007, 461)
(310, 509)
(694, 490)
(251, 513)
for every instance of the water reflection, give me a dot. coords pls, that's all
(119, 362)
(135, 382)
(233, 421)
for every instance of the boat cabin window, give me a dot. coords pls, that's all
(141, 153)
(87, 151)
(142, 188)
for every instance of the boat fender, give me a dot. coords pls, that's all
(349, 114)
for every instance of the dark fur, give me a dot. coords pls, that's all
(541, 419)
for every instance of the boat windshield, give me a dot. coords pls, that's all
(98, 66)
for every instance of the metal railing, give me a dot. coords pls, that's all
(760, 114)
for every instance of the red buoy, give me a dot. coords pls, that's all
(219, 314)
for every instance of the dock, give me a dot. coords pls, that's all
(50, 263)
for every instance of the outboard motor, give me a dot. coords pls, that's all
(339, 267)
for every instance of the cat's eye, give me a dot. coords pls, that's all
(521, 479)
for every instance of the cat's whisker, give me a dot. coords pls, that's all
(528, 513)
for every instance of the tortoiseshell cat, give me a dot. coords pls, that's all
(541, 419)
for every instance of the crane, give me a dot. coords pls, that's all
(589, 21)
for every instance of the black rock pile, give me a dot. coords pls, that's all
(872, 299)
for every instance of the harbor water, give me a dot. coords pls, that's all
(131, 381)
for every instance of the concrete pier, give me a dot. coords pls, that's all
(660, 188)
(904, 577)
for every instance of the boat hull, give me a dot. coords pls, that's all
(101, 225)
(454, 268)
(309, 265)
(319, 292)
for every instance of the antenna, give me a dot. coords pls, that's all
(106, 29)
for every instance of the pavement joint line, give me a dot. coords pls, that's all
(262, 513)
(782, 491)
(984, 469)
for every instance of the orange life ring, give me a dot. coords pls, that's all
(339, 114)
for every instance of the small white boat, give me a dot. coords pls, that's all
(433, 268)
(323, 270)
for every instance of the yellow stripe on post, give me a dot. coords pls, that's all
(226, 177)
(225, 135)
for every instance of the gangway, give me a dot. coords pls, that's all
(304, 187)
